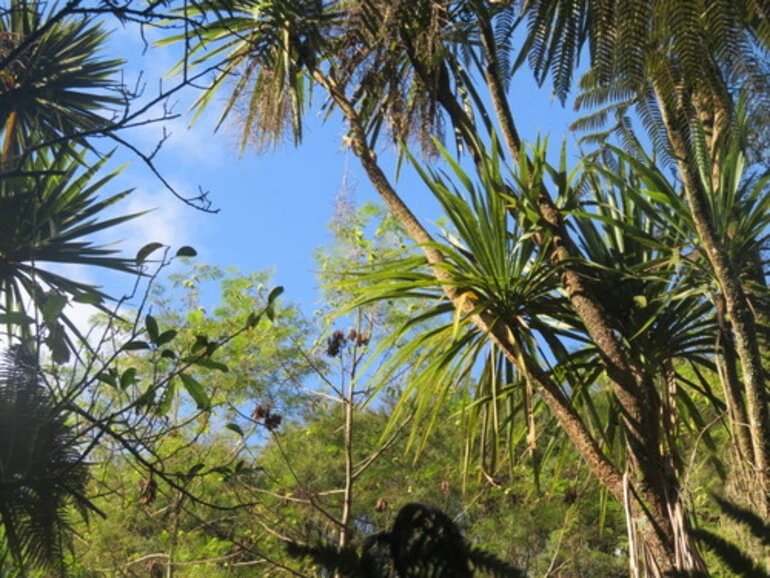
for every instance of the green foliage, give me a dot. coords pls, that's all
(589, 296)
(635, 44)
(284, 483)
(738, 562)
(270, 45)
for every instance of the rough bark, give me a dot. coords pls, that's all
(727, 364)
(633, 387)
(741, 317)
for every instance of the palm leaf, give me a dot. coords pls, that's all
(47, 215)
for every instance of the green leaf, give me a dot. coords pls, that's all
(152, 328)
(274, 294)
(211, 364)
(57, 343)
(128, 378)
(135, 346)
(253, 319)
(168, 397)
(168, 354)
(88, 298)
(108, 378)
(201, 341)
(186, 251)
(15, 318)
(166, 337)
(146, 251)
(236, 428)
(52, 306)
(195, 389)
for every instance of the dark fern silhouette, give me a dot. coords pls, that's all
(42, 472)
(423, 543)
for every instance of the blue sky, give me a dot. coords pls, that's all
(274, 207)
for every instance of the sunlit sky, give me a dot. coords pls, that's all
(273, 208)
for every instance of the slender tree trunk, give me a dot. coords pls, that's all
(347, 496)
(741, 317)
(633, 387)
(727, 365)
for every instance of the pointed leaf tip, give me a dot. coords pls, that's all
(196, 391)
(236, 428)
(146, 251)
(274, 294)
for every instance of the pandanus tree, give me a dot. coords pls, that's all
(679, 64)
(54, 85)
(55, 90)
(48, 211)
(611, 272)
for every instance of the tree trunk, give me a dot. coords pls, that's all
(740, 315)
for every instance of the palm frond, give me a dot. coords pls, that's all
(47, 215)
(53, 84)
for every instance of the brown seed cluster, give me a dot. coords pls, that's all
(263, 413)
(335, 343)
(338, 340)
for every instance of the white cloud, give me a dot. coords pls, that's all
(167, 220)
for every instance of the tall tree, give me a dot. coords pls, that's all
(404, 65)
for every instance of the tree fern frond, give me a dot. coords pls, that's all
(633, 19)
(566, 48)
(687, 39)
(603, 39)
(594, 94)
(597, 119)
(505, 23)
(540, 32)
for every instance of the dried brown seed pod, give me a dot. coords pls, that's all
(381, 505)
(147, 491)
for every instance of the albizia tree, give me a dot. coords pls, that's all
(621, 280)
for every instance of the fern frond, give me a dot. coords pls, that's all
(633, 27)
